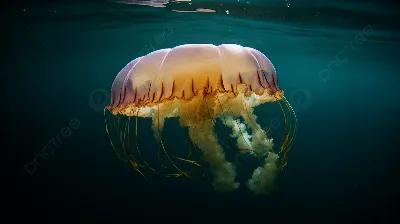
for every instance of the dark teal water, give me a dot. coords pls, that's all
(62, 58)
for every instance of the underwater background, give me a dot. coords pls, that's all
(337, 62)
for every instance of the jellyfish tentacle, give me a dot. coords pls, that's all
(190, 150)
(223, 171)
(219, 102)
(187, 144)
(239, 132)
(156, 127)
(263, 177)
(158, 156)
(285, 129)
(239, 126)
(126, 147)
(197, 117)
(118, 125)
(260, 144)
(253, 119)
(137, 144)
(165, 151)
(285, 148)
(189, 161)
(215, 123)
(188, 138)
(262, 180)
(292, 112)
(288, 131)
(268, 131)
(122, 136)
(133, 161)
(109, 136)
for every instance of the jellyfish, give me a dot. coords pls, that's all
(204, 87)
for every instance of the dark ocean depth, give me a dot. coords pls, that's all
(337, 61)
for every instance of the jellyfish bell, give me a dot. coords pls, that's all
(199, 83)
